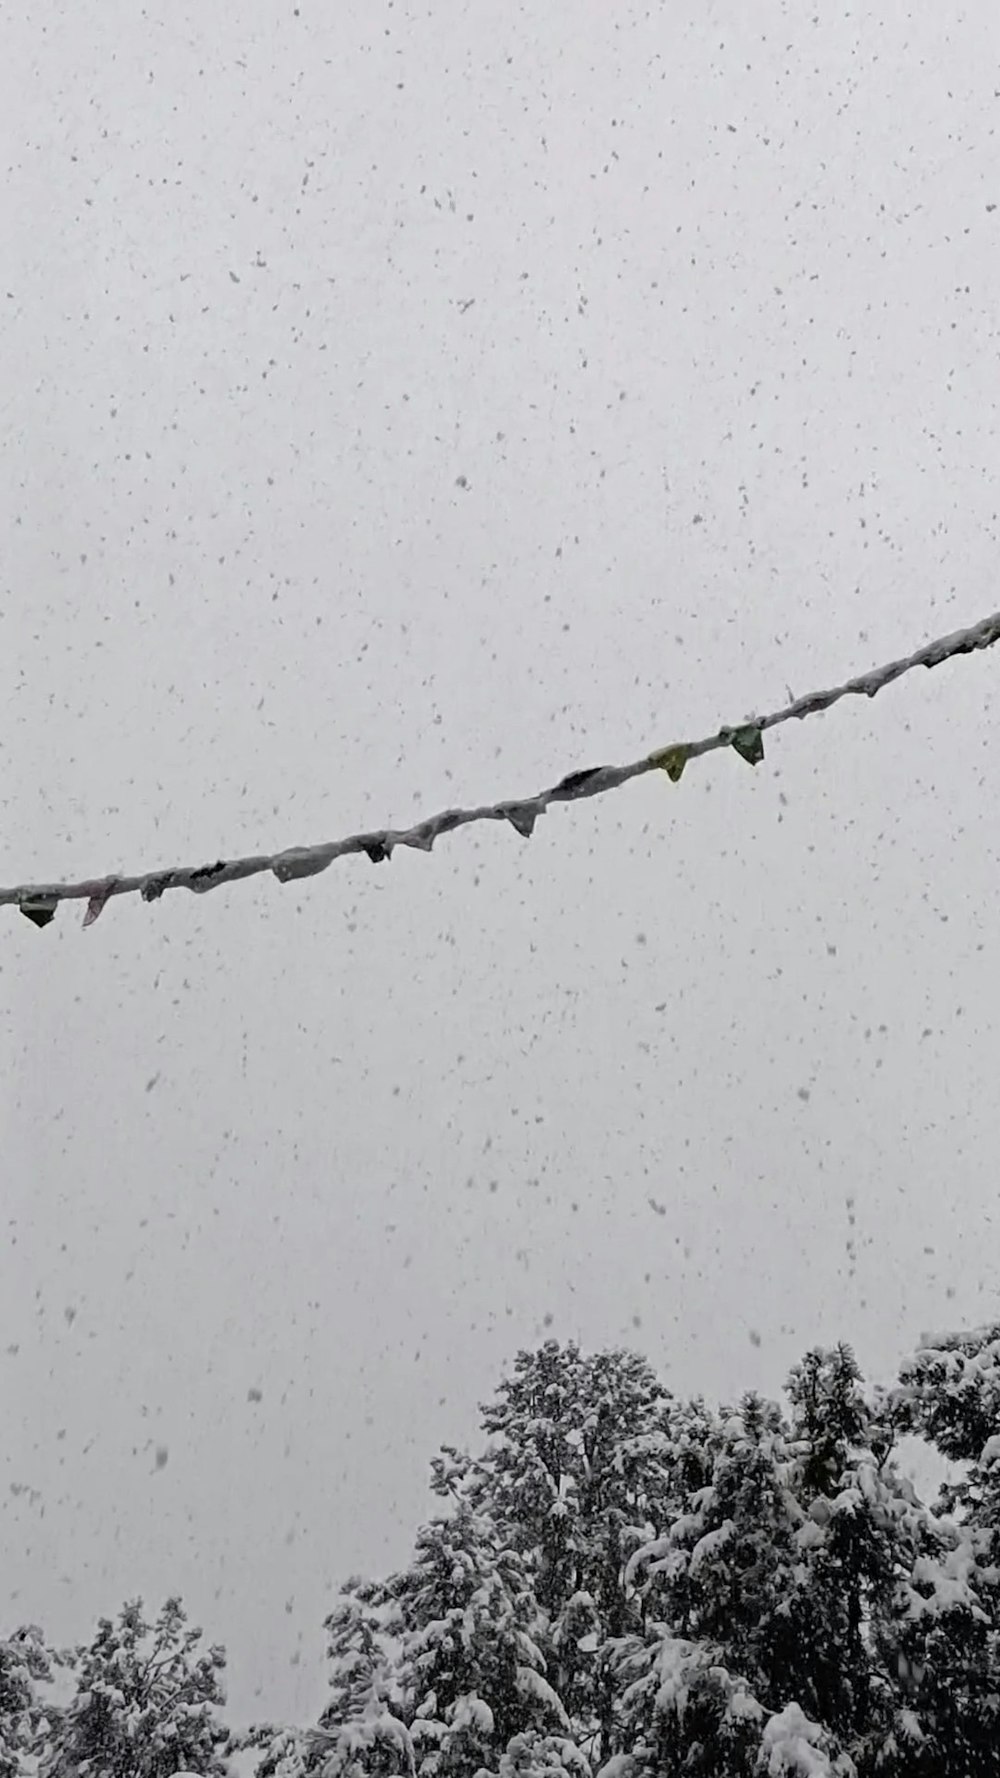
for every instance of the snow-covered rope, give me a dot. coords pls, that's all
(38, 901)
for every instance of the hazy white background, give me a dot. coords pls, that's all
(403, 406)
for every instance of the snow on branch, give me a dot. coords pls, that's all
(38, 901)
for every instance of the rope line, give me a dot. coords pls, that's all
(38, 901)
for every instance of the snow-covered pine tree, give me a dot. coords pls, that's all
(949, 1392)
(830, 1416)
(854, 1540)
(580, 1454)
(25, 1664)
(146, 1702)
(942, 1650)
(631, 1583)
(359, 1653)
(470, 1664)
(732, 1629)
(587, 1456)
(363, 1726)
(435, 1669)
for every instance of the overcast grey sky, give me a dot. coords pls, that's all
(403, 406)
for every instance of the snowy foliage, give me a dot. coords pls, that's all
(25, 1665)
(794, 1747)
(284, 1753)
(621, 1584)
(145, 1703)
(950, 1391)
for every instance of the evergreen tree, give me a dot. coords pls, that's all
(470, 1663)
(622, 1585)
(853, 1537)
(942, 1657)
(580, 1455)
(145, 1703)
(25, 1664)
(732, 1628)
(435, 1669)
(830, 1416)
(363, 1728)
(587, 1456)
(949, 1392)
